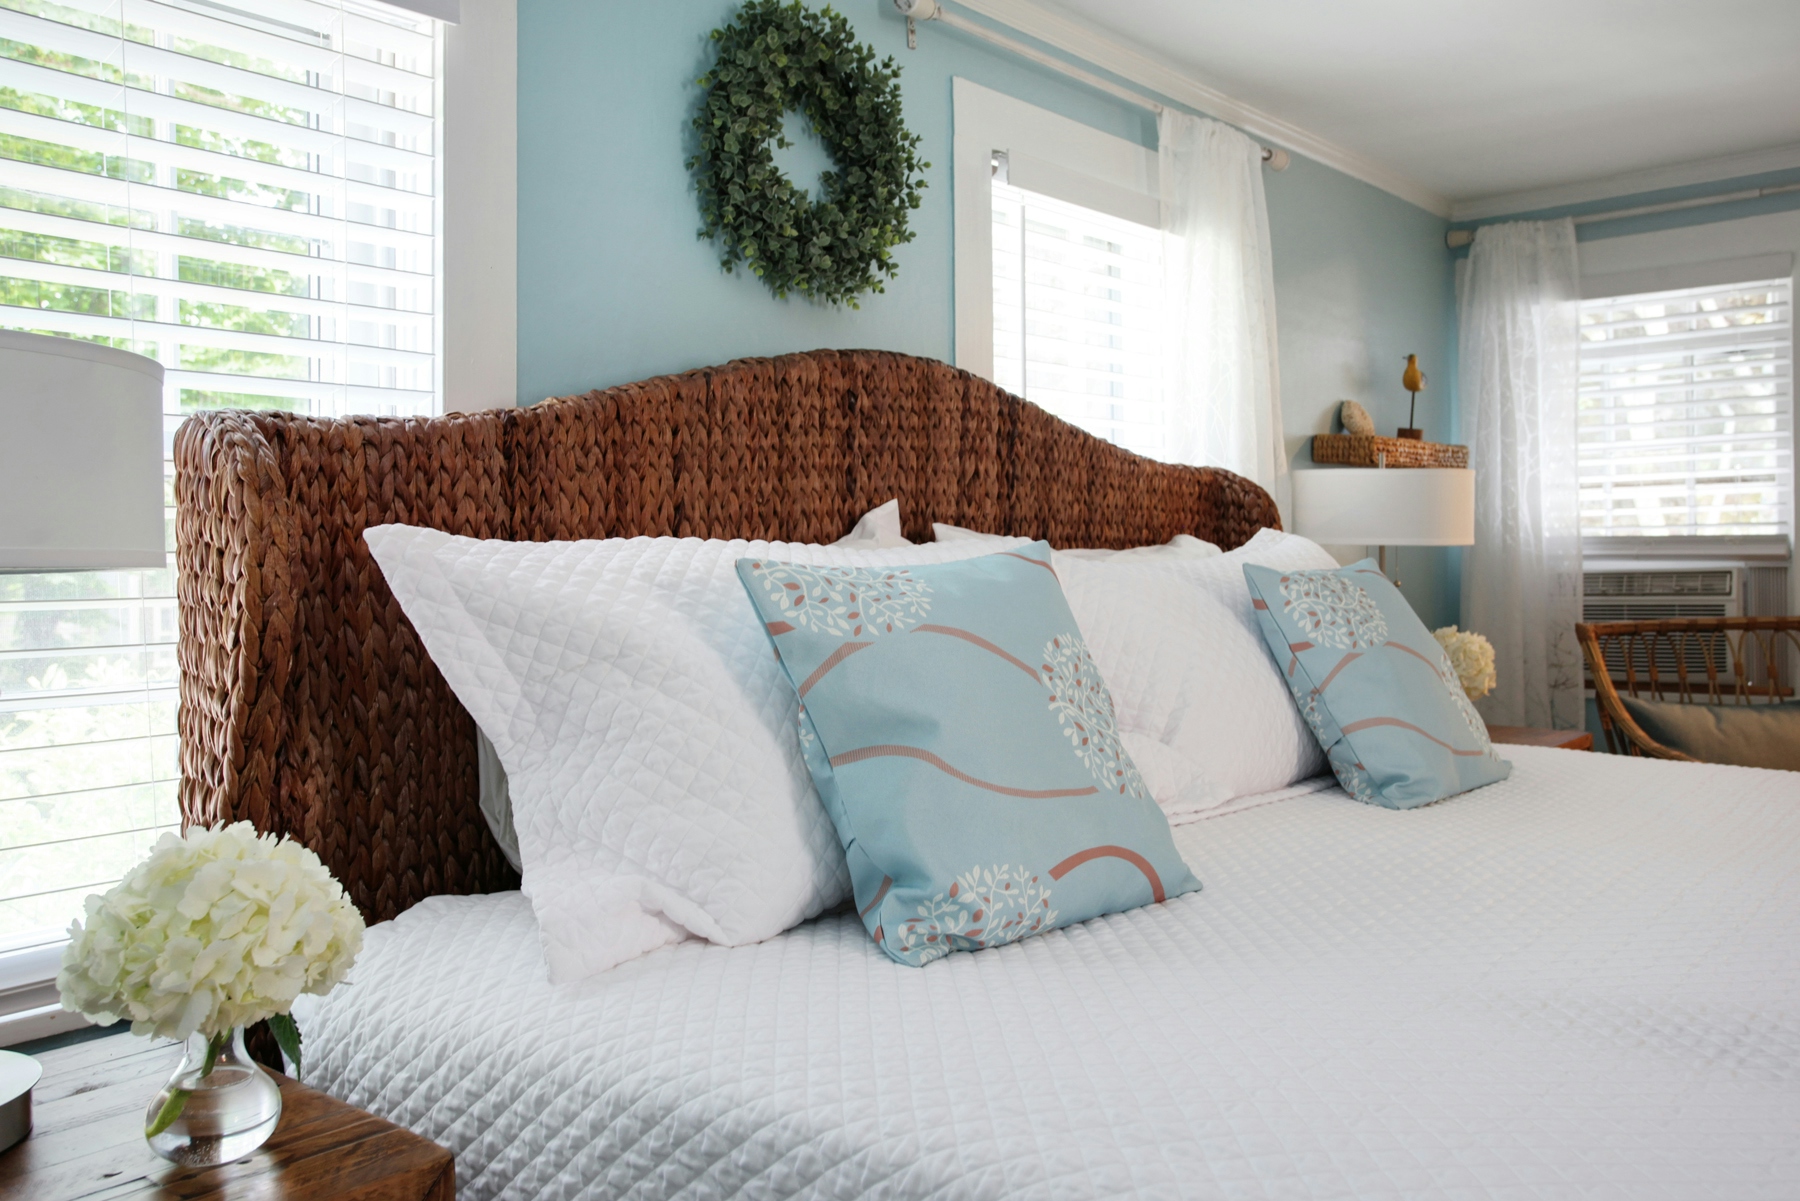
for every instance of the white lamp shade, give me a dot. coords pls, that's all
(81, 456)
(1396, 506)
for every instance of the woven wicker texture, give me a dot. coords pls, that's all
(308, 705)
(1367, 450)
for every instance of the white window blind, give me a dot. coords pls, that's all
(1686, 412)
(245, 192)
(1077, 304)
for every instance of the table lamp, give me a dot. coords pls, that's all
(81, 489)
(81, 456)
(1385, 506)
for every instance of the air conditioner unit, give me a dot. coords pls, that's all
(1657, 592)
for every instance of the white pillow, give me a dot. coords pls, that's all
(1202, 707)
(1181, 546)
(878, 528)
(646, 731)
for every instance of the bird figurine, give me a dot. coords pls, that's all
(1413, 380)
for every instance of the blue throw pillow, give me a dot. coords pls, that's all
(1374, 685)
(965, 745)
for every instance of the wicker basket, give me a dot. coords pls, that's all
(1365, 450)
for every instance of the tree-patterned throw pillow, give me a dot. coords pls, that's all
(965, 745)
(1374, 685)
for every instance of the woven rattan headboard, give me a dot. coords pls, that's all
(308, 705)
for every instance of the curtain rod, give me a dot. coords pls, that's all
(1462, 237)
(931, 10)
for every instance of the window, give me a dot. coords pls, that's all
(1686, 412)
(247, 193)
(1077, 297)
(1059, 275)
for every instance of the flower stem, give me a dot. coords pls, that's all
(178, 1097)
(165, 1117)
(214, 1046)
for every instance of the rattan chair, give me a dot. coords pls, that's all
(1696, 660)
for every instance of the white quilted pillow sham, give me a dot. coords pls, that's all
(647, 734)
(1202, 707)
(877, 529)
(1201, 704)
(1181, 546)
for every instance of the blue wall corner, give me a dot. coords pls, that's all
(1362, 279)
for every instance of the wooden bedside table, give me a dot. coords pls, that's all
(1568, 740)
(87, 1141)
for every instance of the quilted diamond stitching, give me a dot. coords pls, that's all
(1579, 982)
(1191, 673)
(646, 730)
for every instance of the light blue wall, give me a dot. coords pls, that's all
(1362, 280)
(614, 286)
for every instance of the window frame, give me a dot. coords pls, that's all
(1607, 365)
(1766, 549)
(1046, 153)
(1047, 298)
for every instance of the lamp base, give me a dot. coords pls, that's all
(1410, 433)
(18, 1074)
(1381, 562)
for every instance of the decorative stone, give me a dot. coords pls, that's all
(1355, 418)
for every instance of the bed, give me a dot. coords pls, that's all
(1578, 982)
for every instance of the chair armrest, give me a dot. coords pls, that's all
(1613, 714)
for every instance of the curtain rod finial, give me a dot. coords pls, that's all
(1277, 158)
(1459, 237)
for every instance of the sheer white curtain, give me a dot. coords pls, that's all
(1221, 384)
(1519, 323)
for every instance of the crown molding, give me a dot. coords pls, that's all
(1082, 41)
(1653, 179)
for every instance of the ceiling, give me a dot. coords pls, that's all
(1473, 98)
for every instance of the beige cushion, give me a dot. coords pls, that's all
(1747, 735)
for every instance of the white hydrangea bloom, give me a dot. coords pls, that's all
(1471, 658)
(218, 929)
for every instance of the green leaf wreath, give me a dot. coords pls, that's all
(774, 57)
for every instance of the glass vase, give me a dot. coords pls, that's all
(218, 1106)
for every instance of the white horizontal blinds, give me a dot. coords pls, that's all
(1077, 315)
(244, 191)
(1686, 414)
(252, 193)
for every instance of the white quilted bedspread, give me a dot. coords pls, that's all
(1582, 982)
